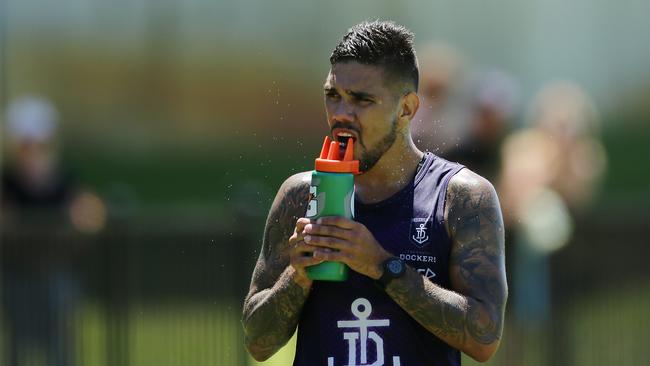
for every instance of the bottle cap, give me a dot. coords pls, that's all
(330, 161)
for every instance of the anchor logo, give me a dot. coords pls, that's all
(361, 308)
(421, 235)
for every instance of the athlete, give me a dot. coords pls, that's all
(426, 246)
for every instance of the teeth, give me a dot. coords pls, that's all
(345, 134)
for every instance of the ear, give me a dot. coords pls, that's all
(409, 106)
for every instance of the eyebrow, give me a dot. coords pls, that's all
(356, 94)
(360, 94)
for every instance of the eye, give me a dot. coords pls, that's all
(332, 95)
(365, 101)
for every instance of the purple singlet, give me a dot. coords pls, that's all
(355, 323)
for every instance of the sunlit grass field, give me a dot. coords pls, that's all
(606, 327)
(179, 334)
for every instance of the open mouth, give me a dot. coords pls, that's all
(343, 137)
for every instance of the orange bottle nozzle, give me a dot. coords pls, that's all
(334, 151)
(330, 158)
(326, 148)
(348, 150)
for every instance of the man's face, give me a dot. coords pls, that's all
(360, 105)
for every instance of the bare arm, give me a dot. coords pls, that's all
(278, 290)
(469, 318)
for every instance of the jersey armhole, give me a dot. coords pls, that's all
(442, 198)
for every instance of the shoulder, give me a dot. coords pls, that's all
(289, 205)
(469, 194)
(467, 182)
(290, 202)
(296, 186)
(297, 181)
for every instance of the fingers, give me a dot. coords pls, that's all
(303, 261)
(338, 221)
(327, 230)
(298, 231)
(300, 224)
(326, 242)
(301, 255)
(324, 254)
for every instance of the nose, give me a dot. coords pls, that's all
(343, 112)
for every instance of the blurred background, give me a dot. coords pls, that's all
(143, 142)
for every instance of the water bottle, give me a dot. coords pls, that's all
(332, 194)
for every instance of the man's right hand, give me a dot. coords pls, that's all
(279, 285)
(301, 254)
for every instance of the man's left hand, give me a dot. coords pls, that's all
(344, 240)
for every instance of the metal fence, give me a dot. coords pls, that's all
(164, 294)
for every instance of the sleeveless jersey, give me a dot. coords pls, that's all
(355, 323)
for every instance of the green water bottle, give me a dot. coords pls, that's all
(332, 194)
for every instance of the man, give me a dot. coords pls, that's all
(39, 285)
(425, 248)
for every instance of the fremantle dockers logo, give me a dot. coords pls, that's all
(420, 228)
(362, 339)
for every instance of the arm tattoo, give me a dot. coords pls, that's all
(273, 304)
(438, 310)
(477, 262)
(470, 316)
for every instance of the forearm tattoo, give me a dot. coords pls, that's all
(472, 313)
(272, 307)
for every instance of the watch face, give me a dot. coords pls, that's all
(395, 266)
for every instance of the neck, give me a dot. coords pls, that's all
(392, 172)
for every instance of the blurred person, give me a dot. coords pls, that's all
(551, 170)
(492, 106)
(439, 122)
(427, 277)
(40, 206)
(559, 151)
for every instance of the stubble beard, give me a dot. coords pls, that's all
(370, 157)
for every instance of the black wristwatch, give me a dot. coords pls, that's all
(393, 268)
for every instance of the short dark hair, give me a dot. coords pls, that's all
(380, 43)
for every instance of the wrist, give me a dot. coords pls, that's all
(393, 268)
(379, 267)
(301, 279)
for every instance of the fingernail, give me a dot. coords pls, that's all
(307, 238)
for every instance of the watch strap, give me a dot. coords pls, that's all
(388, 274)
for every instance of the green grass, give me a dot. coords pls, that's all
(607, 326)
(284, 357)
(178, 334)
